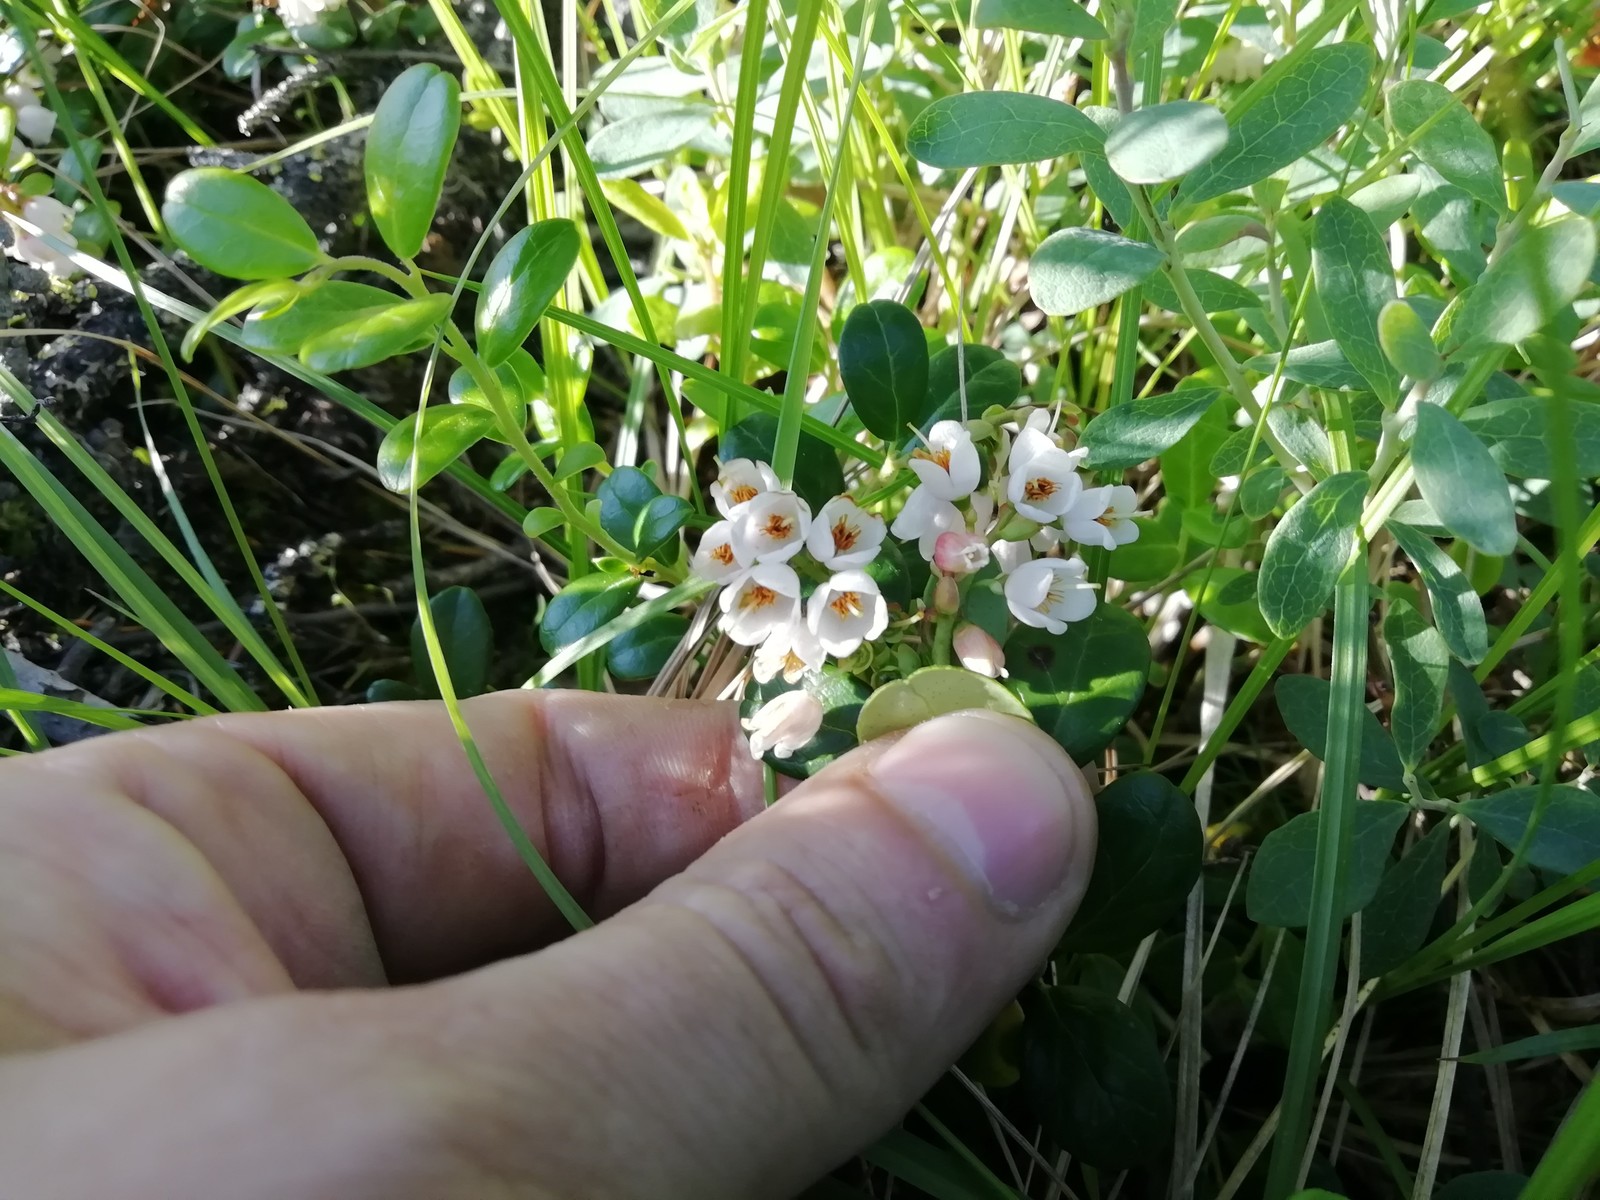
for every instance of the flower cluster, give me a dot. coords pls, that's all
(32, 124)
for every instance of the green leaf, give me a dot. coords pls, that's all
(465, 637)
(1261, 490)
(1456, 607)
(1421, 666)
(1063, 18)
(409, 144)
(646, 208)
(1483, 1185)
(270, 296)
(1540, 1045)
(375, 336)
(1151, 20)
(541, 521)
(583, 606)
(1102, 180)
(331, 304)
(448, 432)
(1568, 837)
(1226, 598)
(628, 146)
(1444, 135)
(585, 456)
(1216, 293)
(1296, 107)
(817, 474)
(1397, 921)
(1139, 430)
(841, 697)
(1279, 890)
(1307, 551)
(1387, 199)
(1146, 861)
(1527, 285)
(1489, 733)
(1304, 699)
(521, 281)
(1165, 141)
(1517, 432)
(1321, 364)
(1459, 480)
(883, 360)
(1078, 268)
(1406, 342)
(1354, 282)
(235, 225)
(1094, 1077)
(928, 693)
(985, 129)
(634, 511)
(641, 652)
(1083, 685)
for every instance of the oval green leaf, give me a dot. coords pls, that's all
(986, 129)
(466, 639)
(634, 511)
(519, 285)
(817, 474)
(1354, 281)
(928, 693)
(1459, 479)
(1279, 890)
(1517, 431)
(1397, 922)
(448, 432)
(1139, 430)
(375, 336)
(1063, 18)
(1165, 141)
(584, 605)
(1568, 837)
(883, 360)
(1406, 342)
(1443, 134)
(1078, 268)
(237, 226)
(1307, 550)
(641, 652)
(1304, 699)
(1456, 606)
(1527, 285)
(1421, 663)
(333, 303)
(1081, 687)
(409, 145)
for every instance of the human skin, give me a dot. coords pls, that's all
(294, 955)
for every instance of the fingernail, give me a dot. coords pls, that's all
(1002, 800)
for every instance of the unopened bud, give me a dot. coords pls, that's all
(946, 596)
(977, 651)
(959, 553)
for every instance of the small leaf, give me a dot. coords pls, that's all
(1094, 1078)
(883, 360)
(1216, 293)
(1321, 364)
(1456, 606)
(1261, 490)
(1078, 268)
(1146, 861)
(1304, 700)
(521, 281)
(1444, 135)
(1297, 106)
(1421, 666)
(641, 652)
(270, 296)
(1139, 430)
(1354, 282)
(1165, 141)
(583, 606)
(333, 303)
(236, 225)
(1517, 431)
(841, 697)
(646, 208)
(466, 638)
(1279, 890)
(986, 129)
(409, 146)
(1527, 285)
(1406, 342)
(928, 693)
(448, 432)
(1081, 687)
(1307, 551)
(1226, 598)
(585, 456)
(628, 146)
(375, 336)
(1568, 837)
(1387, 199)
(1397, 921)
(635, 512)
(1459, 479)
(541, 521)
(1063, 18)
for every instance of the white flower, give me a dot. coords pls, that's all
(924, 518)
(1044, 484)
(740, 481)
(977, 651)
(1048, 592)
(948, 465)
(1010, 555)
(1102, 516)
(844, 535)
(771, 528)
(306, 12)
(846, 611)
(34, 121)
(784, 724)
(54, 218)
(790, 651)
(715, 558)
(764, 598)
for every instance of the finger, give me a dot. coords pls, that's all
(358, 833)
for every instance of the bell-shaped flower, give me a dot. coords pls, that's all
(739, 481)
(960, 553)
(771, 528)
(844, 535)
(977, 651)
(1102, 516)
(762, 599)
(1047, 593)
(846, 611)
(54, 218)
(715, 558)
(1042, 486)
(784, 724)
(924, 518)
(790, 651)
(34, 121)
(948, 465)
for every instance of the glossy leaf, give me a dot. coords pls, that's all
(1216, 293)
(1456, 607)
(1078, 268)
(269, 296)
(1279, 889)
(1139, 430)
(641, 652)
(1354, 282)
(1421, 663)
(1527, 285)
(1304, 700)
(1396, 923)
(1308, 550)
(841, 697)
(541, 521)
(1082, 686)
(1460, 481)
(1517, 432)
(448, 432)
(634, 511)
(1568, 837)
(465, 637)
(409, 145)
(1444, 135)
(1063, 18)
(519, 285)
(575, 460)
(1226, 598)
(883, 360)
(583, 606)
(332, 304)
(985, 129)
(929, 693)
(1261, 490)
(1406, 342)
(235, 225)
(1165, 141)
(375, 336)
(1320, 364)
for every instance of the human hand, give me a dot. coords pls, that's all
(245, 957)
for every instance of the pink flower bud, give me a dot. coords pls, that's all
(946, 596)
(959, 553)
(979, 652)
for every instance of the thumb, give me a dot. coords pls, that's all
(763, 1015)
